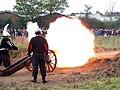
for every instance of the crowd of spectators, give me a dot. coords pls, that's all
(106, 32)
(96, 32)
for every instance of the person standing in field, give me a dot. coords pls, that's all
(39, 47)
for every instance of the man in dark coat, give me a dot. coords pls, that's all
(39, 46)
(5, 46)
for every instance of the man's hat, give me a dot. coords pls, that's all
(5, 32)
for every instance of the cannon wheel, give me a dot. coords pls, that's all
(50, 62)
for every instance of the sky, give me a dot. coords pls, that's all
(76, 6)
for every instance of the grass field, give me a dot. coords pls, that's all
(101, 84)
(108, 42)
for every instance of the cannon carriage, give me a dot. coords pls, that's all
(51, 61)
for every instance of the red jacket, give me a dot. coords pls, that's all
(38, 45)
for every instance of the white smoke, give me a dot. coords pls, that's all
(31, 28)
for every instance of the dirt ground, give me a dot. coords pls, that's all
(105, 64)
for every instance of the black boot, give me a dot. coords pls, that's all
(43, 80)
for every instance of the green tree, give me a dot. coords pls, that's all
(116, 24)
(28, 8)
(32, 8)
(94, 23)
(52, 6)
(87, 11)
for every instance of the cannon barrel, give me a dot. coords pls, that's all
(16, 66)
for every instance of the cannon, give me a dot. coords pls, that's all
(51, 62)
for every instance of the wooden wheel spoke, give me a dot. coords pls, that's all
(52, 63)
(51, 66)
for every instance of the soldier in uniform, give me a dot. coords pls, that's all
(5, 46)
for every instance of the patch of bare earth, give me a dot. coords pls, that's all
(105, 64)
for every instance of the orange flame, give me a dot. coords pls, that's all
(72, 42)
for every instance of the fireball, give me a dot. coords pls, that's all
(72, 42)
